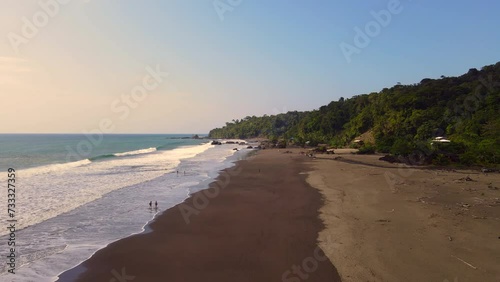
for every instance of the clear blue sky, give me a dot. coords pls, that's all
(264, 57)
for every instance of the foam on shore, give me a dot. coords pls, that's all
(69, 213)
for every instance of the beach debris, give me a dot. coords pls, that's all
(235, 149)
(249, 147)
(466, 178)
(468, 264)
(391, 210)
(310, 155)
(383, 220)
(450, 239)
(478, 217)
(464, 206)
(421, 199)
(389, 158)
(330, 151)
(491, 187)
(487, 170)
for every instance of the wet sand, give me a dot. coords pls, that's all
(374, 221)
(258, 222)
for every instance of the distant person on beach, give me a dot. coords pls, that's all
(156, 204)
(150, 203)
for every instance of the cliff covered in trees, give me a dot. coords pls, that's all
(403, 119)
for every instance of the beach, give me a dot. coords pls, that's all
(281, 216)
(392, 222)
(262, 225)
(66, 211)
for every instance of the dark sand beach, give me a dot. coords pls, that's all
(262, 225)
(374, 221)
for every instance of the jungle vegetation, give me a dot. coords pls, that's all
(403, 120)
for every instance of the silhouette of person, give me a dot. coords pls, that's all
(156, 204)
(150, 203)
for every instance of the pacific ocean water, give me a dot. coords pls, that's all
(75, 194)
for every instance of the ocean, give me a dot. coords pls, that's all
(75, 194)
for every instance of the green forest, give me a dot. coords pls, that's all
(403, 121)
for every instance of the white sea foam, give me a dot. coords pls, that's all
(53, 168)
(48, 191)
(138, 152)
(70, 212)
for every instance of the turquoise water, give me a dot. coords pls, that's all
(75, 195)
(32, 150)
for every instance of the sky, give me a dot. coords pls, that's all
(187, 66)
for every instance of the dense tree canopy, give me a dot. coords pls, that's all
(403, 118)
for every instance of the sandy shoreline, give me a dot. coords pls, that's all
(375, 221)
(262, 225)
(388, 222)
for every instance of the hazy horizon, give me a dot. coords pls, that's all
(185, 67)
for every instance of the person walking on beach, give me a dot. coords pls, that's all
(156, 204)
(150, 204)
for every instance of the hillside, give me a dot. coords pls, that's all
(403, 119)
